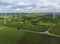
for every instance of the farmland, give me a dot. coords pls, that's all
(29, 29)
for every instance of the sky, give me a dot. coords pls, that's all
(29, 6)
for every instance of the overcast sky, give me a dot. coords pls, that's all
(29, 5)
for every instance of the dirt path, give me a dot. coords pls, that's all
(46, 33)
(51, 28)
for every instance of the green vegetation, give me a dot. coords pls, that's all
(10, 35)
(25, 29)
(56, 29)
(33, 38)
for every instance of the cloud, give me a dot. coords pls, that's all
(23, 3)
(29, 5)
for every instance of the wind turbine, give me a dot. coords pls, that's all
(54, 15)
(15, 15)
(5, 16)
(1, 15)
(16, 11)
(5, 19)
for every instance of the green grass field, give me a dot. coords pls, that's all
(39, 28)
(56, 30)
(13, 36)
(10, 35)
(14, 32)
(33, 38)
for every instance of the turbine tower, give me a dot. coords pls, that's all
(5, 19)
(15, 15)
(16, 12)
(54, 16)
(1, 15)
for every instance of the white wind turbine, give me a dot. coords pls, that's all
(5, 17)
(1, 15)
(54, 15)
(16, 12)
